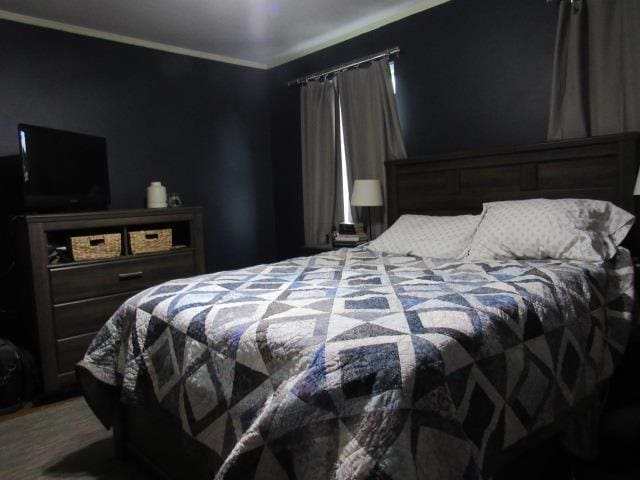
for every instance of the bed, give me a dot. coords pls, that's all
(363, 364)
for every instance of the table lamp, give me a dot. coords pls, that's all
(367, 193)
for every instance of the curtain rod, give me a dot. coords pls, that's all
(343, 66)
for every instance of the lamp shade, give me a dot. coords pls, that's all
(367, 193)
(636, 190)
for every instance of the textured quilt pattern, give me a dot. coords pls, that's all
(356, 364)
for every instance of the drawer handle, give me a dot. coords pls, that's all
(130, 275)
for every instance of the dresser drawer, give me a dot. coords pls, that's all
(84, 316)
(95, 280)
(72, 350)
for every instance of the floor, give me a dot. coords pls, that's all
(599, 474)
(61, 440)
(65, 440)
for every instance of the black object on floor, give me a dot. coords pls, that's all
(18, 376)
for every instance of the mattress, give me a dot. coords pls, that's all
(358, 364)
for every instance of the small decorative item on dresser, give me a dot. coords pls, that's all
(156, 195)
(96, 247)
(149, 241)
(175, 201)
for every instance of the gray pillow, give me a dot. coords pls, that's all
(428, 236)
(572, 229)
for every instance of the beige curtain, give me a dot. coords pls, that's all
(320, 157)
(596, 72)
(371, 126)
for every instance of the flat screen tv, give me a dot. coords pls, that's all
(62, 170)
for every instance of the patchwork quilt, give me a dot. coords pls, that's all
(356, 364)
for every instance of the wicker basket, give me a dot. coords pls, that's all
(147, 241)
(95, 247)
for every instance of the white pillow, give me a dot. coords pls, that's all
(572, 229)
(428, 236)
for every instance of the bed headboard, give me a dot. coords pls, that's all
(603, 167)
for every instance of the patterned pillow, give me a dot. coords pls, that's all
(572, 229)
(428, 236)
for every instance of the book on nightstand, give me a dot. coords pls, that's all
(350, 235)
(347, 244)
(351, 229)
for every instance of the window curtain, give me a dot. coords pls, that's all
(320, 157)
(596, 71)
(371, 126)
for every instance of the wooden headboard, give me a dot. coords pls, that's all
(603, 168)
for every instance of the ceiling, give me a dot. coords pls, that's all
(256, 33)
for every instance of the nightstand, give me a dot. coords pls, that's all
(308, 250)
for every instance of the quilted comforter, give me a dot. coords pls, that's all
(358, 364)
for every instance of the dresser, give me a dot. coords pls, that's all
(66, 302)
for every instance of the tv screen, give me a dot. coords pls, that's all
(63, 169)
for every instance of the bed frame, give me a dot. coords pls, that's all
(602, 167)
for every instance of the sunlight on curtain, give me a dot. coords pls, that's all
(346, 204)
(346, 199)
(392, 68)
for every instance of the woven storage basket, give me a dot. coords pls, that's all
(147, 241)
(95, 247)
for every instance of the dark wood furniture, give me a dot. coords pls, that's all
(308, 250)
(68, 302)
(598, 167)
(601, 168)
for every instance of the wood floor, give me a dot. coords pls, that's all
(62, 441)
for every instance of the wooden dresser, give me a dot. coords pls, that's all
(66, 303)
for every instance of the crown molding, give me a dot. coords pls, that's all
(305, 48)
(114, 37)
(342, 35)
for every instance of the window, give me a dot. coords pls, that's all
(346, 202)
(346, 184)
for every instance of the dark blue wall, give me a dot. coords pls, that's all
(199, 126)
(470, 74)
